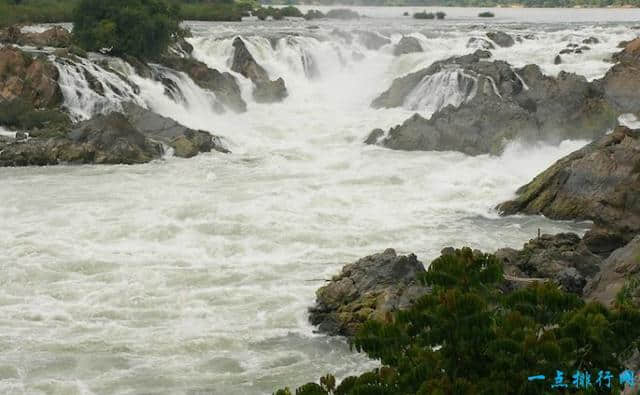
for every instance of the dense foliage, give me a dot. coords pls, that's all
(469, 337)
(142, 28)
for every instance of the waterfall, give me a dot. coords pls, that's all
(435, 91)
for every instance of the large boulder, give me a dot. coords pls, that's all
(406, 45)
(371, 288)
(34, 81)
(185, 142)
(620, 271)
(265, 90)
(104, 139)
(562, 258)
(224, 85)
(488, 104)
(501, 38)
(600, 182)
(621, 84)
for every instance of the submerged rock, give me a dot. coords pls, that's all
(407, 45)
(562, 258)
(104, 139)
(495, 104)
(371, 288)
(224, 85)
(186, 142)
(372, 40)
(265, 90)
(620, 272)
(600, 182)
(501, 38)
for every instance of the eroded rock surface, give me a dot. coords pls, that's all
(371, 288)
(265, 90)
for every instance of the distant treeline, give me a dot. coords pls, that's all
(466, 3)
(46, 11)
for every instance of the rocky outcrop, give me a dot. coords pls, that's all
(185, 142)
(371, 288)
(562, 258)
(56, 36)
(621, 83)
(34, 81)
(500, 104)
(224, 85)
(502, 39)
(401, 87)
(619, 272)
(600, 182)
(407, 45)
(372, 40)
(265, 90)
(104, 139)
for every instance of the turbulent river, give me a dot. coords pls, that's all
(195, 275)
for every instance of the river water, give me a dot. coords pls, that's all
(194, 275)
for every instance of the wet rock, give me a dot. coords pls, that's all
(371, 288)
(407, 45)
(500, 104)
(566, 51)
(34, 81)
(54, 37)
(621, 84)
(265, 90)
(591, 40)
(480, 43)
(620, 272)
(186, 142)
(403, 86)
(224, 85)
(600, 182)
(372, 40)
(562, 258)
(557, 60)
(104, 139)
(345, 36)
(502, 39)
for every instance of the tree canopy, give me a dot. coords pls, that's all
(142, 28)
(470, 337)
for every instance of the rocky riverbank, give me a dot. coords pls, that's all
(33, 104)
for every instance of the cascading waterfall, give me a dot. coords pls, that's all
(194, 275)
(436, 91)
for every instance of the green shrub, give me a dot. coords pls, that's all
(470, 337)
(486, 14)
(142, 28)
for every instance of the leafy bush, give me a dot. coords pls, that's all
(142, 28)
(440, 15)
(342, 13)
(486, 14)
(424, 15)
(469, 337)
(291, 11)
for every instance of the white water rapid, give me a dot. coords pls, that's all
(194, 275)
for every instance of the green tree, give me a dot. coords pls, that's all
(143, 28)
(470, 337)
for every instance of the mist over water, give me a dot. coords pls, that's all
(186, 275)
